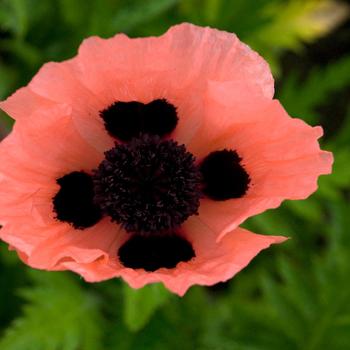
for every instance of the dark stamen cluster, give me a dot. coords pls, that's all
(154, 252)
(126, 120)
(148, 185)
(223, 175)
(73, 203)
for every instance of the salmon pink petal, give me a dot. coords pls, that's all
(24, 257)
(214, 262)
(56, 84)
(281, 155)
(185, 56)
(78, 252)
(32, 158)
(95, 271)
(23, 103)
(94, 243)
(45, 143)
(175, 66)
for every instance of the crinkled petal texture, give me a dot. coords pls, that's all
(176, 66)
(29, 164)
(223, 94)
(281, 154)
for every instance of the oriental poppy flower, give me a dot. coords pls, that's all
(139, 158)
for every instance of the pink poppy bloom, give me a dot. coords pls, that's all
(139, 158)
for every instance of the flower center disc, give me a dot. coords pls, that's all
(148, 185)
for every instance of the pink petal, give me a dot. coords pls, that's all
(214, 262)
(32, 157)
(281, 154)
(23, 103)
(51, 140)
(176, 66)
(185, 55)
(82, 246)
(54, 85)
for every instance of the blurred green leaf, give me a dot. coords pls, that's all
(301, 97)
(298, 21)
(138, 12)
(14, 16)
(292, 24)
(58, 315)
(22, 50)
(141, 304)
(310, 209)
(212, 10)
(7, 256)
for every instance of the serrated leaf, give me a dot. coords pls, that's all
(301, 99)
(58, 315)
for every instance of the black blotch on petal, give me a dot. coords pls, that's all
(160, 118)
(74, 202)
(223, 175)
(123, 119)
(154, 252)
(126, 120)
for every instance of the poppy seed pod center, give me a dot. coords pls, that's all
(148, 185)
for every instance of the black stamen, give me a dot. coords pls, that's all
(223, 175)
(160, 118)
(123, 119)
(74, 203)
(126, 120)
(154, 252)
(148, 185)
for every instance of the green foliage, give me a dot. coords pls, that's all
(58, 314)
(139, 305)
(294, 296)
(292, 23)
(303, 96)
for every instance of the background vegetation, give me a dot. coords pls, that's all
(295, 296)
